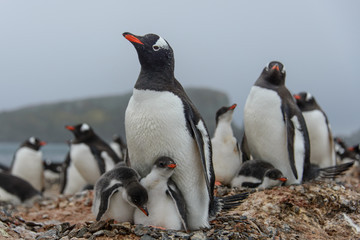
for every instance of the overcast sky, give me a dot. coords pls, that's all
(63, 50)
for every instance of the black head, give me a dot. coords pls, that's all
(154, 52)
(224, 110)
(137, 196)
(306, 101)
(274, 73)
(275, 174)
(34, 143)
(81, 131)
(165, 162)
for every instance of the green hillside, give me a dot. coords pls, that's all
(104, 114)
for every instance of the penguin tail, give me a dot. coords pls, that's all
(334, 171)
(226, 203)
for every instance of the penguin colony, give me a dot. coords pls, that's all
(165, 173)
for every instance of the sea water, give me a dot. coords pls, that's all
(54, 152)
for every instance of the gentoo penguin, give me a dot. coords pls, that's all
(166, 204)
(322, 150)
(343, 153)
(17, 190)
(274, 126)
(71, 181)
(91, 155)
(119, 147)
(355, 149)
(117, 193)
(226, 150)
(28, 162)
(161, 120)
(258, 174)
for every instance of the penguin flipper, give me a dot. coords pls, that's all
(179, 201)
(106, 148)
(100, 161)
(105, 197)
(200, 144)
(290, 134)
(245, 151)
(63, 173)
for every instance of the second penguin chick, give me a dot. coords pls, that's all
(258, 174)
(226, 150)
(166, 204)
(117, 193)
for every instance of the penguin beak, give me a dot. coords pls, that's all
(233, 106)
(144, 210)
(297, 97)
(283, 179)
(276, 67)
(71, 128)
(130, 37)
(172, 165)
(42, 143)
(351, 149)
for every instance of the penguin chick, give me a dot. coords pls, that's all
(258, 174)
(28, 162)
(226, 150)
(117, 194)
(166, 204)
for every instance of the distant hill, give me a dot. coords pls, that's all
(104, 114)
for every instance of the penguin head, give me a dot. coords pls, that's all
(274, 177)
(305, 101)
(225, 113)
(154, 52)
(274, 73)
(165, 166)
(34, 143)
(136, 195)
(81, 131)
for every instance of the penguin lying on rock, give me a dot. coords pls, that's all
(17, 191)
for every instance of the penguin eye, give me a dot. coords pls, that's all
(156, 47)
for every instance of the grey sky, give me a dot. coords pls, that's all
(64, 50)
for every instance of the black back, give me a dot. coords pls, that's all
(17, 186)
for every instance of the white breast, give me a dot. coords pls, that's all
(322, 152)
(155, 126)
(226, 157)
(161, 207)
(28, 165)
(74, 181)
(85, 162)
(266, 131)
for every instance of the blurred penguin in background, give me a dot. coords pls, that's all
(28, 163)
(322, 149)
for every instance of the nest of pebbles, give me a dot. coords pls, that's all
(315, 210)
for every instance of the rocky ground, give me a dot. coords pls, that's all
(316, 210)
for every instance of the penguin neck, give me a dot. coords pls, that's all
(155, 179)
(156, 78)
(223, 129)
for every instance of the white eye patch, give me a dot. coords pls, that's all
(84, 127)
(308, 97)
(32, 140)
(160, 43)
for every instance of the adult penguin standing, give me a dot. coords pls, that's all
(161, 120)
(274, 126)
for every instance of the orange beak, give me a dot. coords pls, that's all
(132, 38)
(276, 67)
(233, 106)
(42, 143)
(172, 165)
(297, 97)
(283, 179)
(144, 210)
(71, 128)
